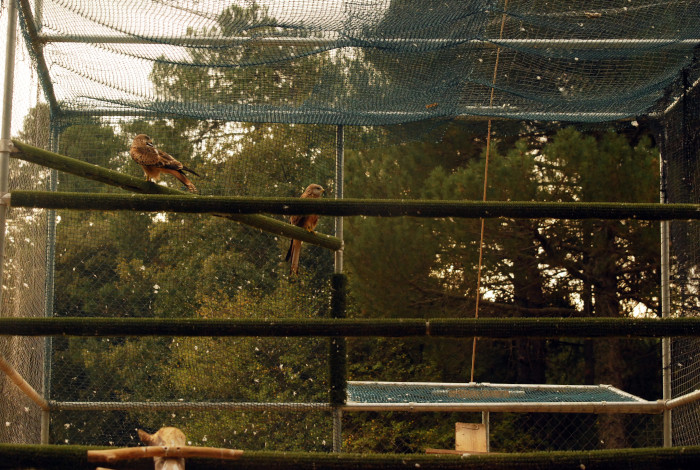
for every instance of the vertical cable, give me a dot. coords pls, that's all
(486, 173)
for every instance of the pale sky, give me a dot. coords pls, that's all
(108, 66)
(25, 83)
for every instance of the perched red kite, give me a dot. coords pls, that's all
(154, 161)
(306, 221)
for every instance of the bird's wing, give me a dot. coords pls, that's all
(298, 220)
(310, 222)
(167, 161)
(145, 155)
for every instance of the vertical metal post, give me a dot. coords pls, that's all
(337, 429)
(485, 420)
(339, 175)
(38, 14)
(6, 127)
(337, 359)
(45, 422)
(49, 287)
(665, 304)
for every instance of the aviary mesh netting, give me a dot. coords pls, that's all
(586, 97)
(680, 146)
(365, 62)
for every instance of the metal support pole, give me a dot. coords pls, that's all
(485, 420)
(6, 126)
(337, 429)
(665, 306)
(38, 15)
(339, 175)
(49, 289)
(45, 422)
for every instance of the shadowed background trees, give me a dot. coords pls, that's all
(416, 267)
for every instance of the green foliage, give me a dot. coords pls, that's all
(191, 266)
(402, 432)
(90, 140)
(529, 268)
(36, 126)
(171, 265)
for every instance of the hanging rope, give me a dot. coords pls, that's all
(486, 175)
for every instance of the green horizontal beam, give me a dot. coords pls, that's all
(655, 458)
(353, 207)
(440, 327)
(78, 326)
(138, 185)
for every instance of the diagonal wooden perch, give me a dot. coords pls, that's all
(18, 380)
(114, 178)
(129, 453)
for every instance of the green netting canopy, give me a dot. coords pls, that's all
(367, 62)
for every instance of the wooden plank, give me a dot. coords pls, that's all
(451, 452)
(128, 453)
(470, 437)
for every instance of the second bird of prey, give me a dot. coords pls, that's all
(155, 161)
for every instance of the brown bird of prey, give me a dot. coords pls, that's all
(154, 161)
(306, 221)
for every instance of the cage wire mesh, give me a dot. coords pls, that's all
(680, 148)
(415, 432)
(402, 431)
(24, 265)
(260, 428)
(259, 119)
(363, 63)
(396, 362)
(193, 266)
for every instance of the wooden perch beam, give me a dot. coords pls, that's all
(654, 458)
(129, 453)
(18, 380)
(114, 178)
(239, 207)
(339, 327)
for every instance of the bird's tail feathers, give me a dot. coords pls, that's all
(184, 168)
(289, 252)
(294, 255)
(181, 176)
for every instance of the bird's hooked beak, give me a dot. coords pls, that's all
(150, 144)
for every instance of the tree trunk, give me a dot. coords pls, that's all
(609, 365)
(527, 290)
(609, 361)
